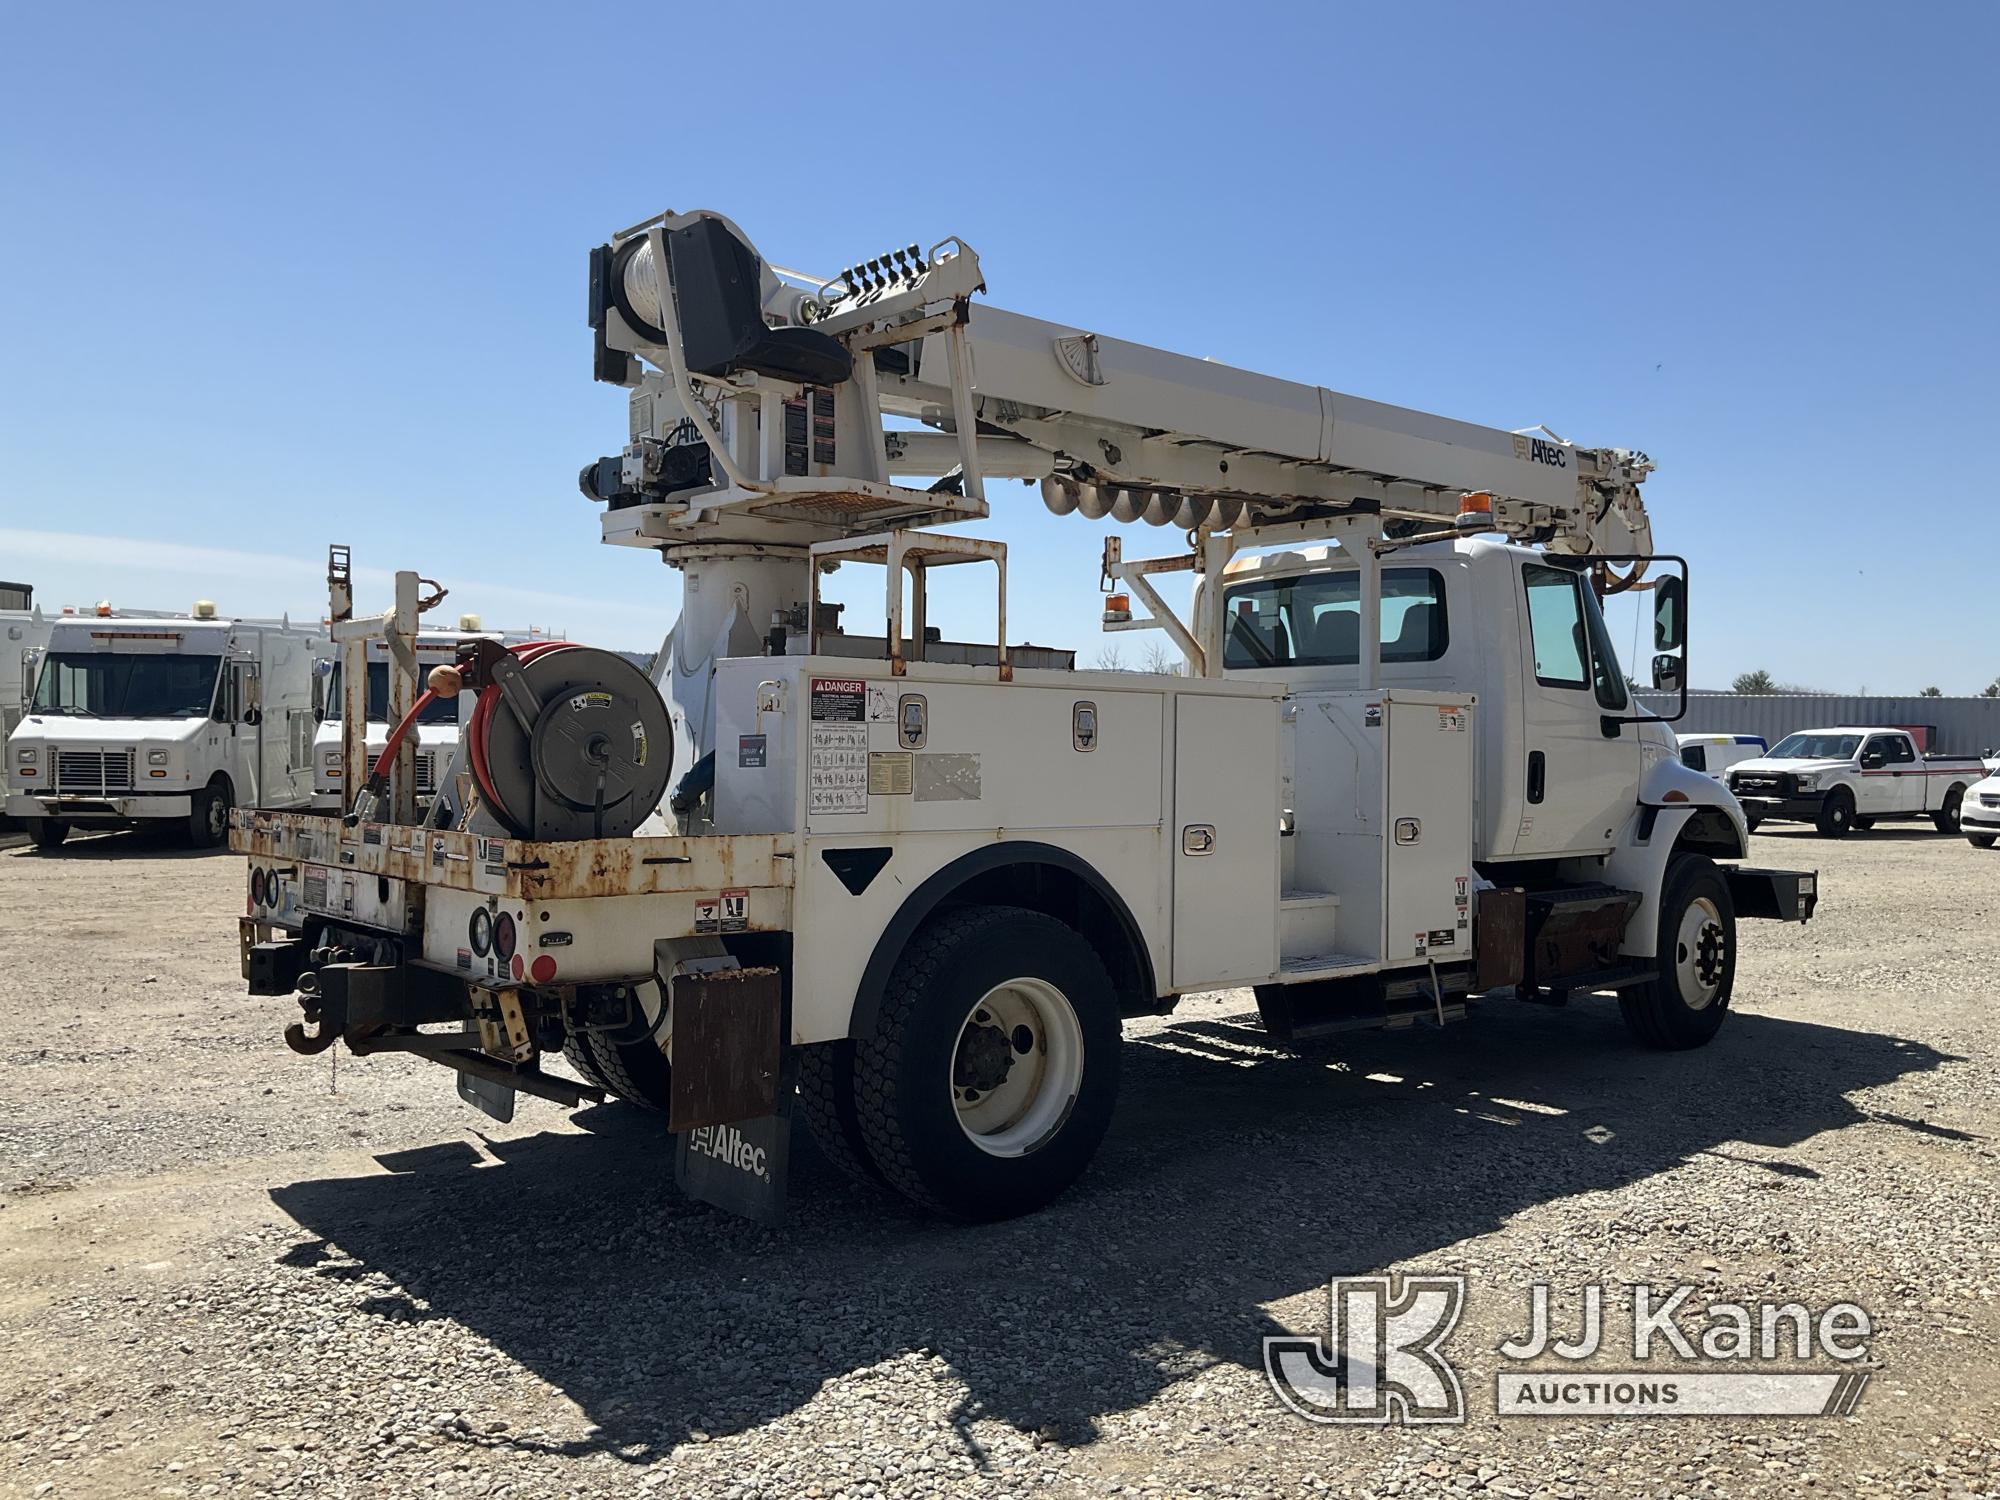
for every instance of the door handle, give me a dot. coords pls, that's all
(1198, 838)
(1538, 775)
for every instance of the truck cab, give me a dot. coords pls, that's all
(1852, 777)
(148, 719)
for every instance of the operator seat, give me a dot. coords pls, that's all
(1413, 639)
(1336, 638)
(718, 292)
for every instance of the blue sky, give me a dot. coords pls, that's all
(275, 276)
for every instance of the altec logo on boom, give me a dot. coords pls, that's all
(1535, 450)
(1383, 1361)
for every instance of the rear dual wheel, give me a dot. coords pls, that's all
(989, 1079)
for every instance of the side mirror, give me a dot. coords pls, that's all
(1668, 674)
(1873, 759)
(1670, 613)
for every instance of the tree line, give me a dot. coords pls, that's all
(1761, 681)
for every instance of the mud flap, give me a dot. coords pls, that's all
(487, 1095)
(740, 1167)
(728, 1105)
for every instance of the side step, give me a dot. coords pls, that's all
(1316, 1008)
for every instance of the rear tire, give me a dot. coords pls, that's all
(48, 833)
(583, 1062)
(1946, 818)
(1685, 1004)
(208, 815)
(990, 1078)
(1751, 820)
(630, 1061)
(1980, 840)
(826, 1094)
(1836, 814)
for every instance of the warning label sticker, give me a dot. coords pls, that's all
(890, 773)
(839, 700)
(837, 772)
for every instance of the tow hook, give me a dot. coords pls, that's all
(301, 1041)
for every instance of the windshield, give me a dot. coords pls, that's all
(126, 685)
(1817, 747)
(437, 711)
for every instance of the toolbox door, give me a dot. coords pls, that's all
(1224, 841)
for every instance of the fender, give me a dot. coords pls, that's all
(927, 897)
(1674, 800)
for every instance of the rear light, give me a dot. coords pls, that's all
(256, 887)
(503, 936)
(479, 931)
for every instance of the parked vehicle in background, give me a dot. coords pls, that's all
(23, 634)
(1716, 753)
(1842, 779)
(1979, 814)
(437, 723)
(149, 718)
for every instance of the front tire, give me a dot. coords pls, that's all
(1980, 840)
(1684, 1004)
(48, 833)
(1946, 817)
(208, 816)
(1836, 814)
(1751, 820)
(993, 1068)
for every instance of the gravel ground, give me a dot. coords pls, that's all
(225, 1269)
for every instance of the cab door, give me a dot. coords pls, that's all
(1896, 785)
(1579, 782)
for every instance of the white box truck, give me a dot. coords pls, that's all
(139, 719)
(916, 884)
(437, 726)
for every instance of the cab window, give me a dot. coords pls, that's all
(1315, 620)
(1566, 632)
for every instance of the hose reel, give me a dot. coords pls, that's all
(567, 742)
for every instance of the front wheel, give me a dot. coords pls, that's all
(1946, 817)
(1683, 1005)
(48, 833)
(1836, 814)
(989, 1080)
(1980, 840)
(208, 815)
(1752, 819)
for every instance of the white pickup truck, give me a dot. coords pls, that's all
(1842, 779)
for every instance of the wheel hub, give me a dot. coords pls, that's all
(1709, 948)
(985, 1057)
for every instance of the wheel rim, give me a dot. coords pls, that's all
(218, 814)
(1016, 1067)
(1701, 954)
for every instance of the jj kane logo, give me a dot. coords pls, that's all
(1382, 1359)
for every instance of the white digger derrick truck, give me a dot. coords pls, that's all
(916, 883)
